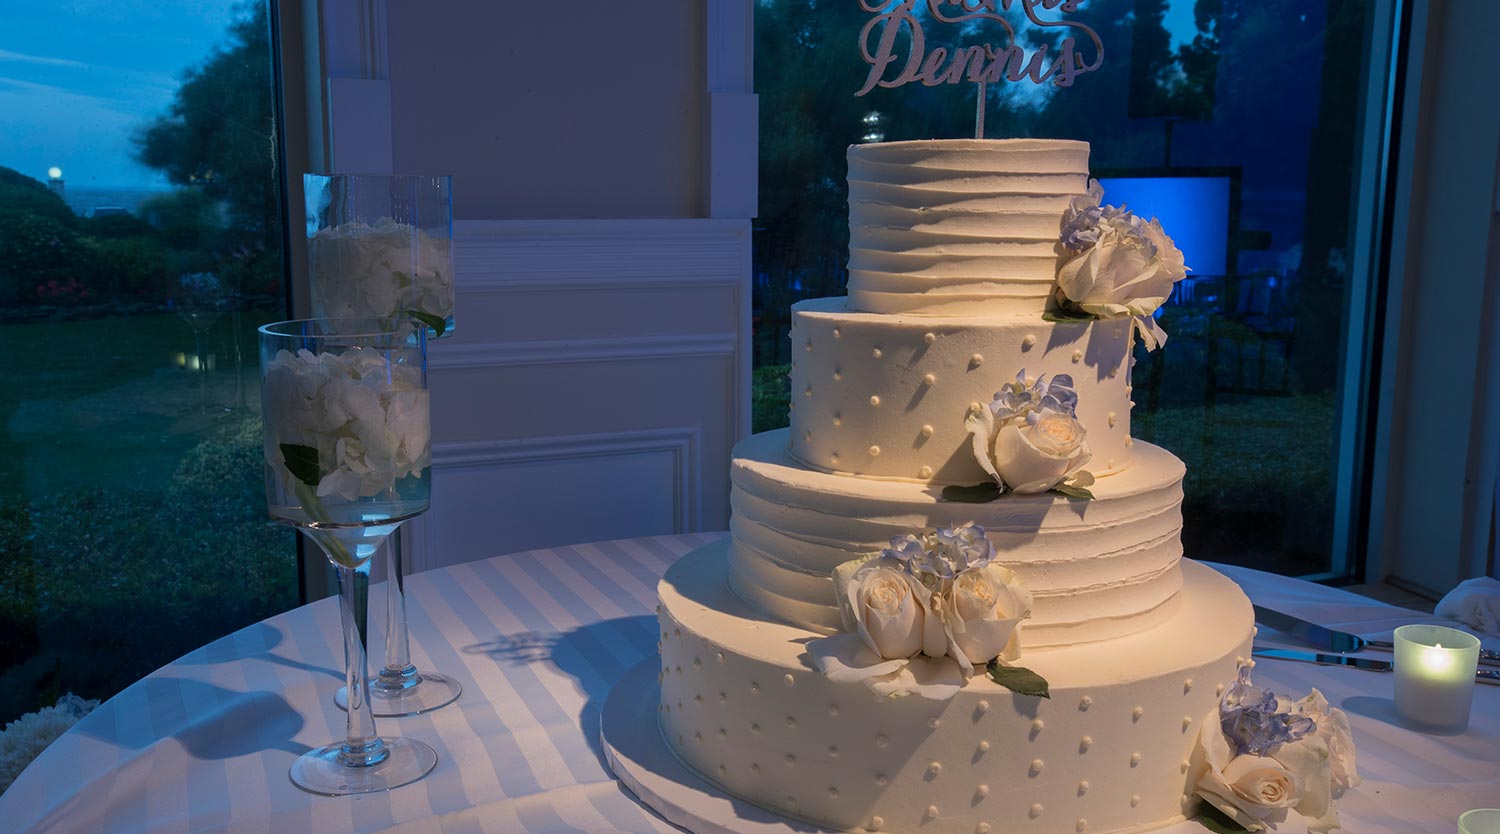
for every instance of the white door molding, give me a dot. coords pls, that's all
(677, 449)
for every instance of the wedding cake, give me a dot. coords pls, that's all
(954, 598)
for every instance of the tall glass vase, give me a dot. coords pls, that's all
(348, 459)
(381, 245)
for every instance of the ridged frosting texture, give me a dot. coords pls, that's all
(959, 226)
(1105, 754)
(1098, 570)
(885, 396)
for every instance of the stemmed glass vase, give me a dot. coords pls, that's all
(381, 245)
(348, 459)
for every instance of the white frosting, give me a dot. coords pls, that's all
(862, 380)
(959, 227)
(741, 706)
(1098, 569)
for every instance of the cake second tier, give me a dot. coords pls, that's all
(885, 396)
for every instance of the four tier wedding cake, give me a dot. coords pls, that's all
(954, 598)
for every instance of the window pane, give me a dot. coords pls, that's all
(140, 247)
(1235, 122)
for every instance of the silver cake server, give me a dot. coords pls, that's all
(1312, 634)
(1489, 676)
(1332, 640)
(1487, 657)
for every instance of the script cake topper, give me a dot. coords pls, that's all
(982, 63)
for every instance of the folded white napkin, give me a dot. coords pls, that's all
(1475, 603)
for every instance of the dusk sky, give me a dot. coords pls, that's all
(77, 77)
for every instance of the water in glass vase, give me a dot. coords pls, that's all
(350, 532)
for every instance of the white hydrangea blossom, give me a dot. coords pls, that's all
(367, 417)
(26, 737)
(365, 271)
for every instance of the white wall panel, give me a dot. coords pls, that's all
(603, 163)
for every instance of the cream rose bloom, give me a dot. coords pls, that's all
(1036, 452)
(1333, 728)
(984, 610)
(1122, 264)
(889, 609)
(1251, 790)
(1308, 760)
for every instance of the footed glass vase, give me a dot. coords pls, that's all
(348, 459)
(381, 246)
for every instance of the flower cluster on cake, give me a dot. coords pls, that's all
(924, 614)
(1262, 757)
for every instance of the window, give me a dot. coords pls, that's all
(1243, 125)
(140, 247)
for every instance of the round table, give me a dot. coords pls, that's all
(537, 639)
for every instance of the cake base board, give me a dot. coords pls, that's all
(640, 758)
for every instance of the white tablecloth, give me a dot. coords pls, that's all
(537, 639)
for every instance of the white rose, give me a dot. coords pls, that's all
(1036, 452)
(985, 608)
(889, 608)
(1251, 790)
(1172, 261)
(1120, 275)
(1333, 728)
(1308, 760)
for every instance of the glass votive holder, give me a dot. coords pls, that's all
(1435, 669)
(1480, 821)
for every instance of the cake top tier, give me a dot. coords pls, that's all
(959, 227)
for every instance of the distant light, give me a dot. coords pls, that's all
(54, 172)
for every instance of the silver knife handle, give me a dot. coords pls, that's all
(1489, 656)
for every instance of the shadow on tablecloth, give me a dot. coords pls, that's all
(590, 654)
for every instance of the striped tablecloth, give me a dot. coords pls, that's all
(537, 639)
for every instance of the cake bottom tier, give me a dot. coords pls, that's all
(743, 706)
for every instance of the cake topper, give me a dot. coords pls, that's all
(1002, 59)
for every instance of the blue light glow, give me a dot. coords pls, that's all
(1194, 211)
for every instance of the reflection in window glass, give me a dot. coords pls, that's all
(1232, 120)
(140, 247)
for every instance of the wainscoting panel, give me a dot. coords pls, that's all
(597, 382)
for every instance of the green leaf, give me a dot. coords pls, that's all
(436, 323)
(976, 494)
(1067, 315)
(1074, 491)
(1018, 679)
(302, 462)
(1218, 822)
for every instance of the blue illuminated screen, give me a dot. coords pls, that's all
(1194, 212)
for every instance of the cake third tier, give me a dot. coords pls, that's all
(1098, 569)
(885, 396)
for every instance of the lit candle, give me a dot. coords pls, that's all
(1480, 821)
(1435, 669)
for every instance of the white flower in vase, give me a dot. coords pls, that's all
(365, 417)
(364, 271)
